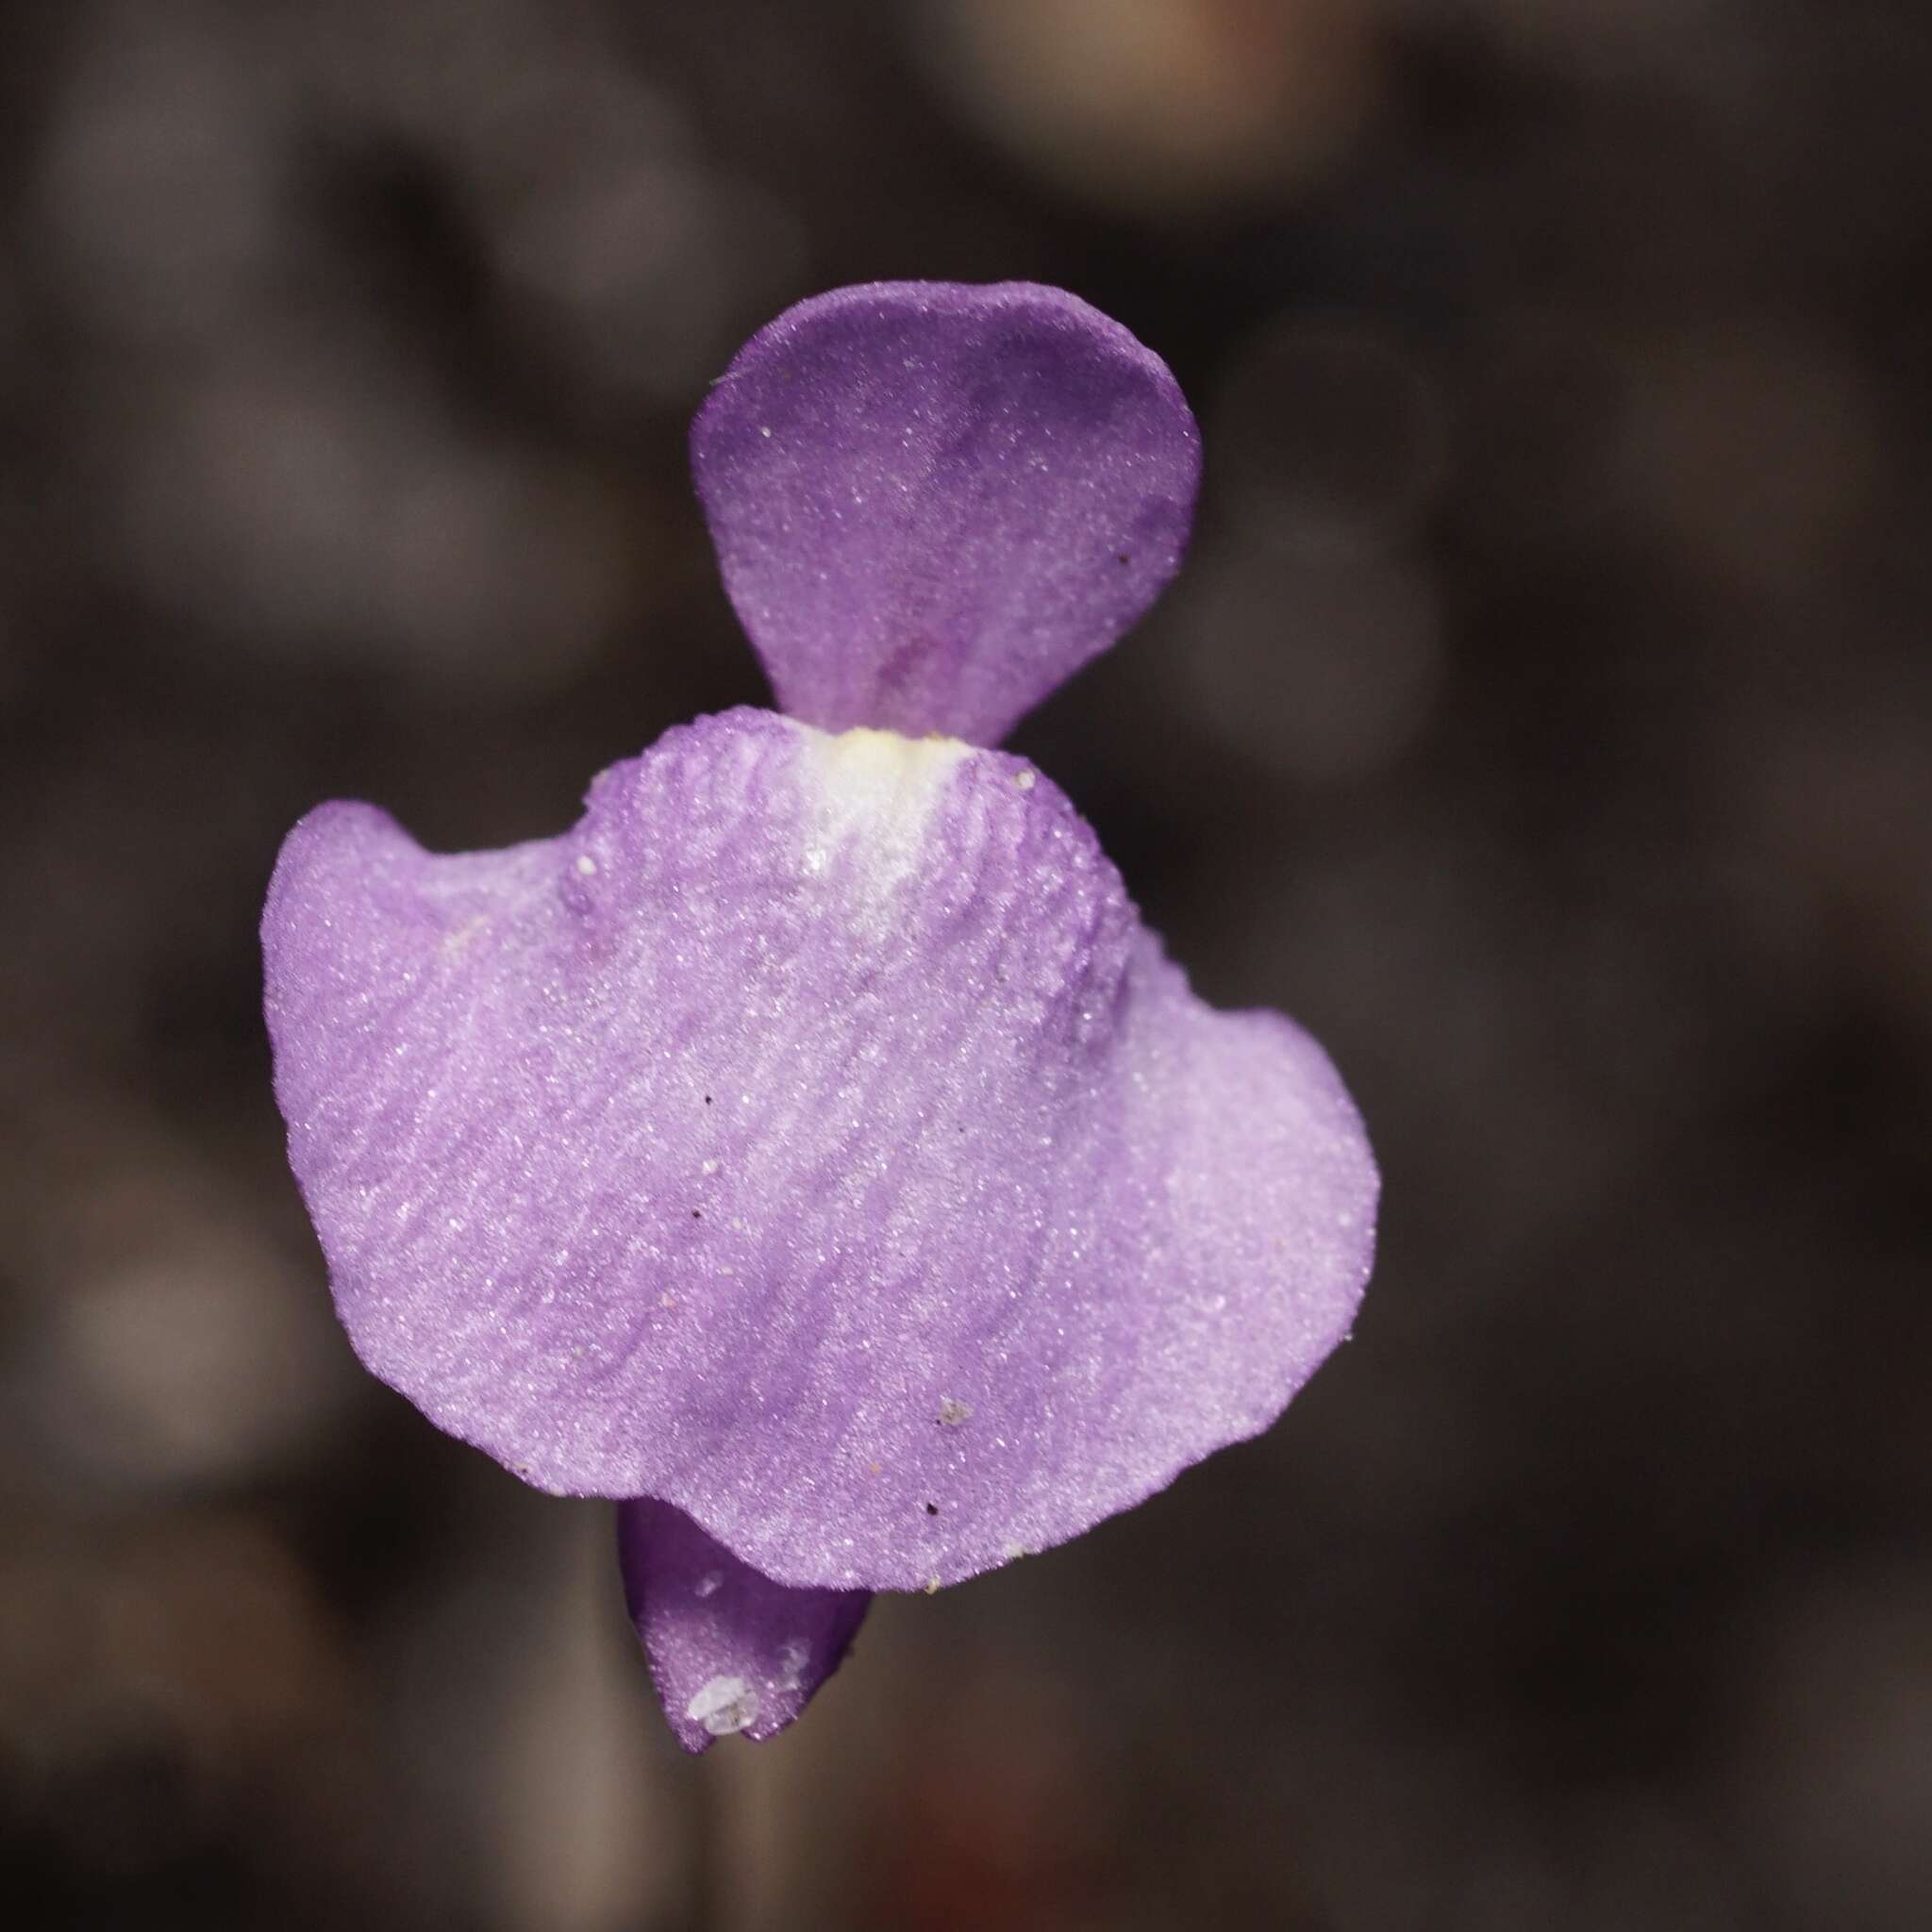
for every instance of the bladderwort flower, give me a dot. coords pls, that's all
(811, 1150)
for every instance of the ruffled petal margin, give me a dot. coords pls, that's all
(813, 1138)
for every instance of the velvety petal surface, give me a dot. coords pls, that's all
(933, 503)
(813, 1138)
(730, 1651)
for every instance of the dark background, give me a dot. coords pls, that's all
(1542, 718)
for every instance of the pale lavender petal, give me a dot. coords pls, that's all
(730, 1651)
(934, 502)
(813, 1138)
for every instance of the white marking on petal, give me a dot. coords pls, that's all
(724, 1705)
(873, 793)
(708, 1584)
(457, 942)
(792, 1660)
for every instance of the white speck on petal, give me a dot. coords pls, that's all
(458, 942)
(724, 1705)
(708, 1584)
(586, 865)
(953, 1411)
(792, 1660)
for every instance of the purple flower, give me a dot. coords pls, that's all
(812, 1150)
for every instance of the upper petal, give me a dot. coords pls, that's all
(933, 503)
(813, 1138)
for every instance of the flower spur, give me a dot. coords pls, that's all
(811, 1150)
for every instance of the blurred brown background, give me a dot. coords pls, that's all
(1542, 718)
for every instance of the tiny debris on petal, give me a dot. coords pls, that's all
(724, 1706)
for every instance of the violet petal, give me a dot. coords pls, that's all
(813, 1138)
(730, 1651)
(934, 502)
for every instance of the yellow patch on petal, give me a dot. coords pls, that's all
(871, 795)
